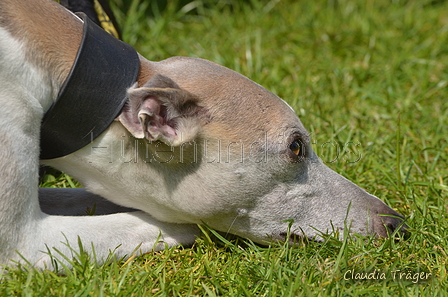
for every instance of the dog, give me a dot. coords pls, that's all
(189, 142)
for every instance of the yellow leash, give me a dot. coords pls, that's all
(105, 21)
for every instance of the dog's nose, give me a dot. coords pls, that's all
(386, 221)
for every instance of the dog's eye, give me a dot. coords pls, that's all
(296, 147)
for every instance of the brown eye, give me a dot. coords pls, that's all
(296, 147)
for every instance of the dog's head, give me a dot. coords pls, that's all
(225, 151)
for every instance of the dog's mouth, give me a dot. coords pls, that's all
(296, 238)
(299, 237)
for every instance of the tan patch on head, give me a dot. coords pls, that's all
(50, 33)
(239, 108)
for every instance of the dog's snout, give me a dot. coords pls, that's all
(388, 221)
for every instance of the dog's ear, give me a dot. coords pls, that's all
(160, 110)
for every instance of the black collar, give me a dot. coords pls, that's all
(93, 94)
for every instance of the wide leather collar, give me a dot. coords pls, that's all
(93, 94)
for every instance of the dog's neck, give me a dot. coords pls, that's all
(93, 94)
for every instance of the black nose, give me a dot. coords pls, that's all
(392, 223)
(388, 221)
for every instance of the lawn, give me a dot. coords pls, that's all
(369, 81)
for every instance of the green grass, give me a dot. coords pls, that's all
(369, 81)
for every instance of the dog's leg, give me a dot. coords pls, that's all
(18, 192)
(121, 233)
(76, 202)
(20, 117)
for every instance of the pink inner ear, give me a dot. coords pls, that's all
(160, 114)
(151, 106)
(152, 115)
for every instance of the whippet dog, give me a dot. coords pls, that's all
(185, 142)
